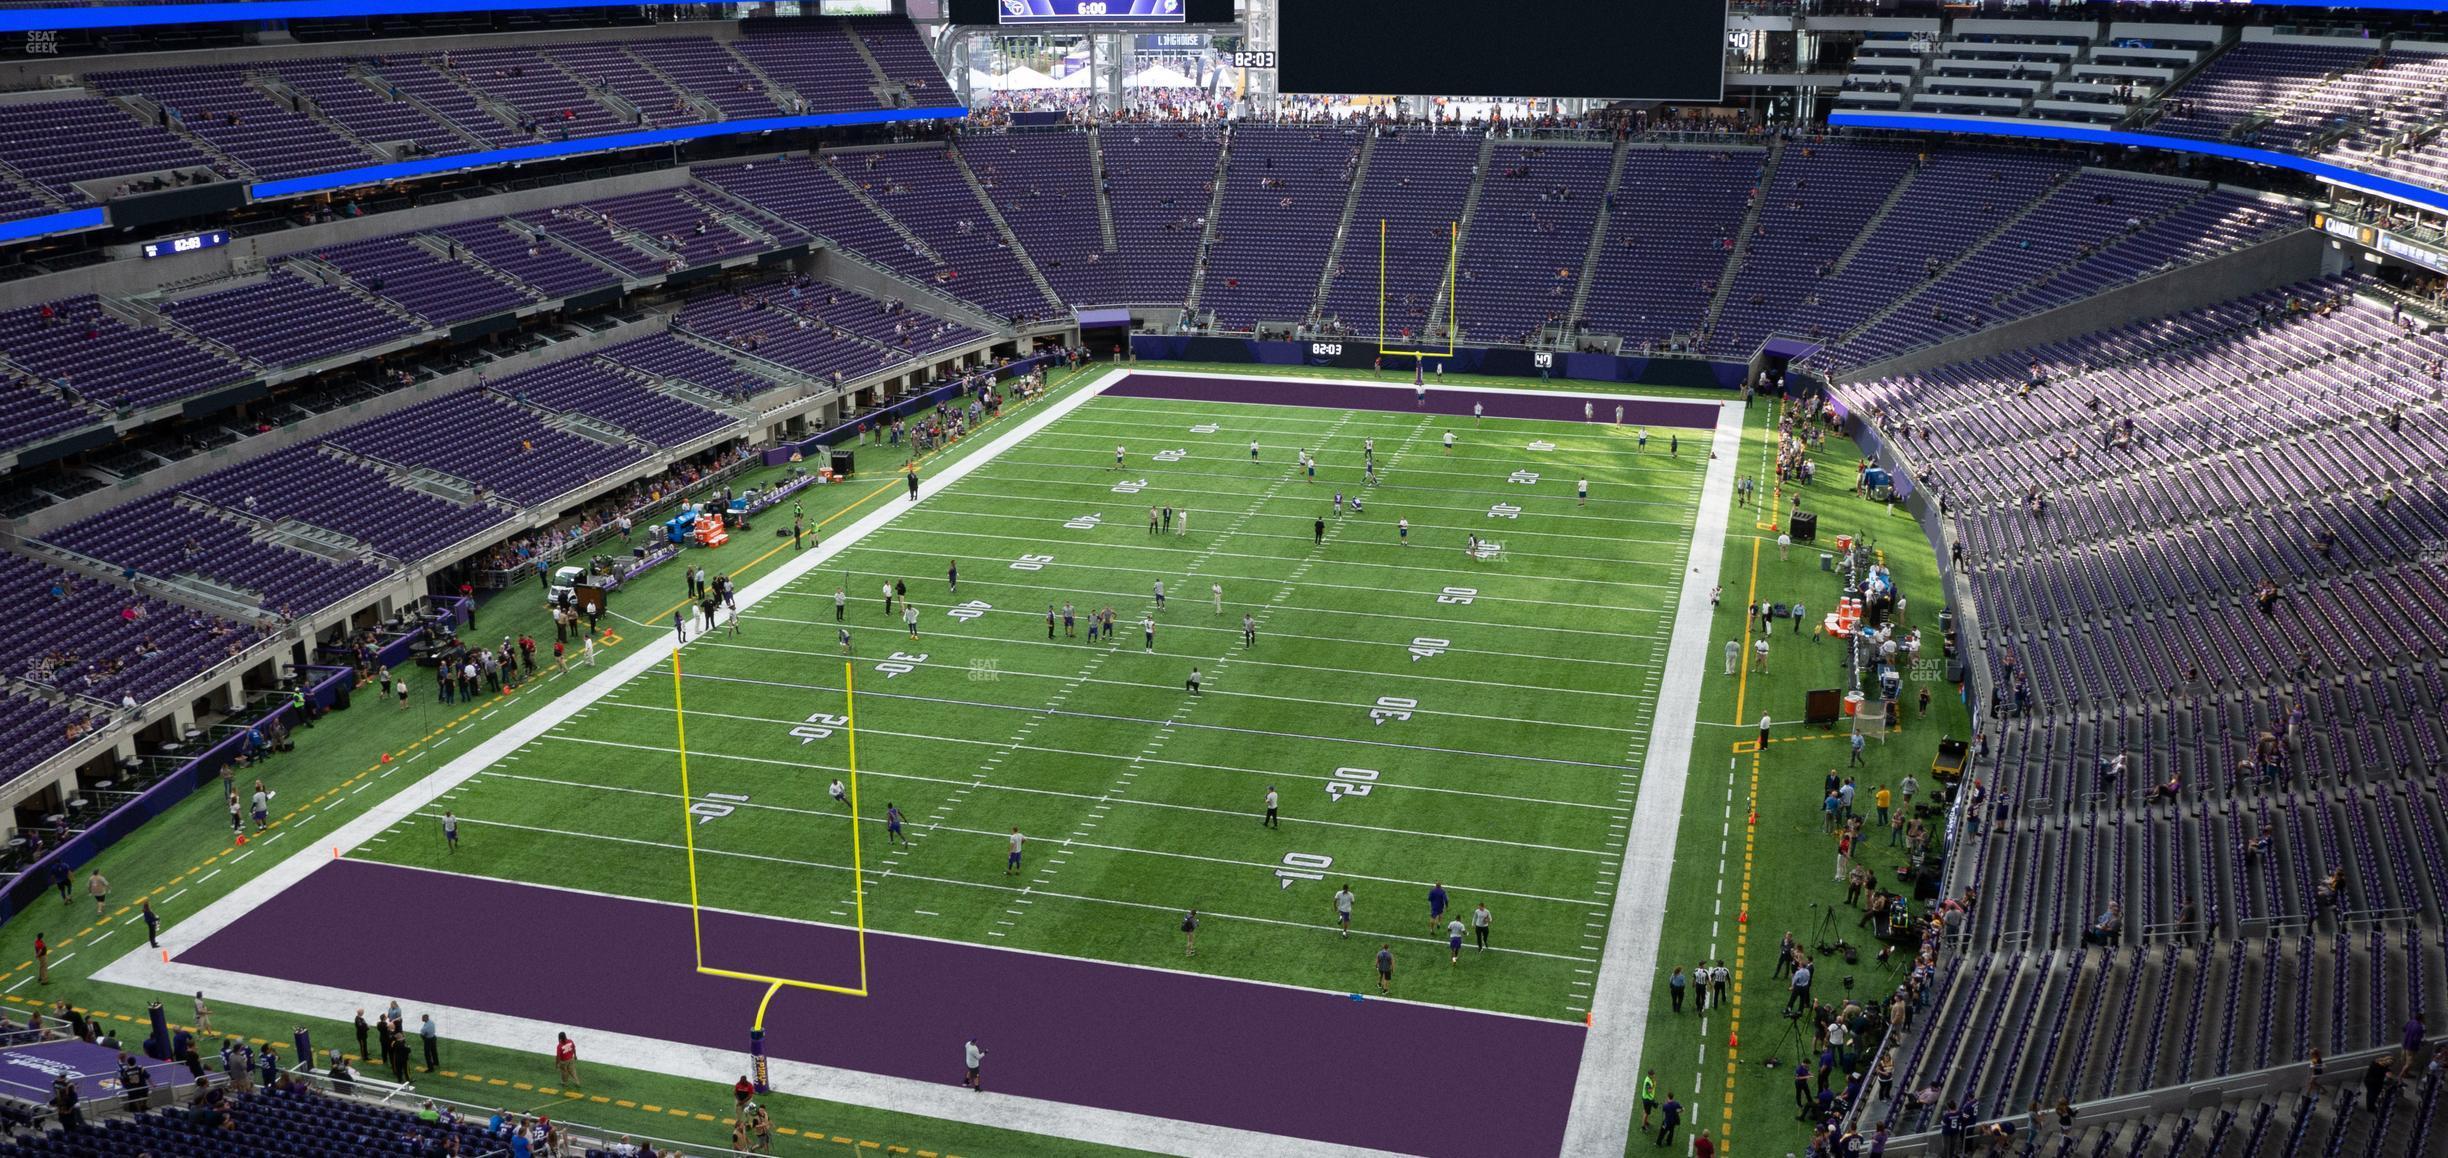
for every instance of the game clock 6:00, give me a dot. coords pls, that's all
(1091, 11)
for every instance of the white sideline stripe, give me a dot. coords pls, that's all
(1601, 1118)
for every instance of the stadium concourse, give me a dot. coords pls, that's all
(587, 588)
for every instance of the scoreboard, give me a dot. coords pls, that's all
(1089, 11)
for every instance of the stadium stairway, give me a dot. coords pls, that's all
(1342, 233)
(1761, 189)
(1207, 238)
(1096, 181)
(1877, 217)
(1597, 238)
(1003, 230)
(1439, 306)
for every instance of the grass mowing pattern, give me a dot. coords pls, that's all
(1500, 755)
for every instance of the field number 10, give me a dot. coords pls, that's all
(1303, 866)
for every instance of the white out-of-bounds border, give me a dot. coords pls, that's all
(147, 968)
(1603, 1097)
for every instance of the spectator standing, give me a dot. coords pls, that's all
(565, 1059)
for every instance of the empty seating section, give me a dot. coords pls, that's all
(668, 357)
(885, 323)
(904, 58)
(415, 78)
(709, 70)
(101, 641)
(2291, 439)
(287, 319)
(1160, 180)
(800, 333)
(801, 191)
(307, 1125)
(365, 503)
(928, 195)
(379, 119)
(1950, 204)
(2253, 81)
(1415, 188)
(110, 143)
(220, 107)
(445, 103)
(1521, 263)
(609, 68)
(78, 344)
(424, 282)
(1284, 193)
(32, 730)
(1669, 236)
(485, 439)
(164, 538)
(550, 104)
(32, 410)
(599, 390)
(813, 60)
(522, 252)
(1042, 186)
(673, 223)
(1822, 196)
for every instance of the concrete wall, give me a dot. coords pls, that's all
(2295, 257)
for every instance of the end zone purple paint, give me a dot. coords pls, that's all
(1409, 1078)
(1398, 398)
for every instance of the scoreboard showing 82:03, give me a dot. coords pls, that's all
(1091, 11)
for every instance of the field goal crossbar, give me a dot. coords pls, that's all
(1453, 262)
(858, 872)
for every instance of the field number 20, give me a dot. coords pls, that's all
(1351, 782)
(818, 727)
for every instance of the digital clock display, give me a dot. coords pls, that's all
(1253, 58)
(1091, 11)
(188, 244)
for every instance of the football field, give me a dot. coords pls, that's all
(1425, 714)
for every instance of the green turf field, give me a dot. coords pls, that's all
(1426, 715)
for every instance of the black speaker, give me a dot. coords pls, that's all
(843, 463)
(1804, 527)
(340, 696)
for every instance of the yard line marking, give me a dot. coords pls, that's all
(770, 859)
(714, 755)
(916, 698)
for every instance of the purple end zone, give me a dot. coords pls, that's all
(1411, 1078)
(1399, 398)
